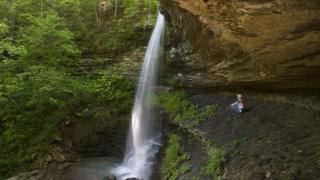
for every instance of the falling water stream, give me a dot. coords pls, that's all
(144, 135)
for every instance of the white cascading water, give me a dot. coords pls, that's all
(144, 136)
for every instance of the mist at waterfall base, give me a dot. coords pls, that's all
(144, 138)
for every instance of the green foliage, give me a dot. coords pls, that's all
(195, 178)
(124, 26)
(209, 111)
(8, 50)
(36, 101)
(37, 93)
(185, 168)
(47, 39)
(173, 102)
(216, 160)
(113, 89)
(174, 156)
(180, 109)
(135, 7)
(190, 114)
(175, 83)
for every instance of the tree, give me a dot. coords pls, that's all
(8, 50)
(47, 40)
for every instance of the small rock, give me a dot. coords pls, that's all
(25, 175)
(110, 177)
(67, 122)
(60, 157)
(58, 149)
(34, 156)
(133, 178)
(57, 139)
(64, 165)
(68, 143)
(48, 159)
(268, 175)
(14, 178)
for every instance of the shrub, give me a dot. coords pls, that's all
(184, 169)
(47, 40)
(180, 109)
(175, 83)
(216, 160)
(174, 156)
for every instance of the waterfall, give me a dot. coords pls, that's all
(144, 135)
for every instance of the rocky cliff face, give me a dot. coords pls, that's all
(249, 43)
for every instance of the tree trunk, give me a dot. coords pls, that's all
(115, 8)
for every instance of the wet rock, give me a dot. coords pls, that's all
(34, 175)
(48, 159)
(58, 155)
(34, 156)
(162, 89)
(133, 178)
(268, 174)
(64, 165)
(110, 177)
(57, 139)
(67, 123)
(68, 143)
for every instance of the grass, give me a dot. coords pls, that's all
(174, 157)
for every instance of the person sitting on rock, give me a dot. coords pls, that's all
(239, 105)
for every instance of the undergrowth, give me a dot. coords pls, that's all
(173, 158)
(216, 160)
(181, 110)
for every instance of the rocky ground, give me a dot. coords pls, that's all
(278, 138)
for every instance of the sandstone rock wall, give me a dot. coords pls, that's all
(250, 43)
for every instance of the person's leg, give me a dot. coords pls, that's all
(244, 110)
(236, 109)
